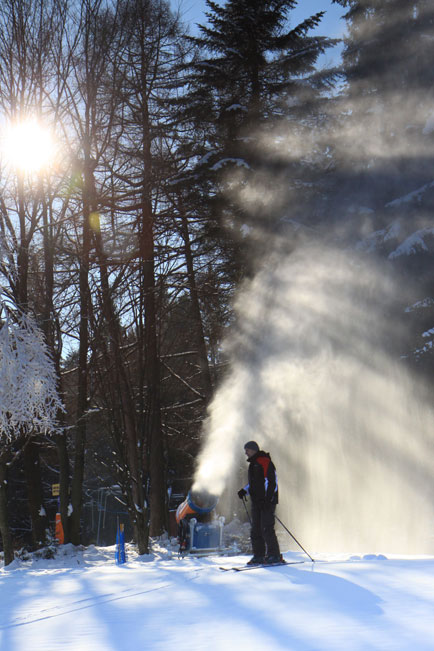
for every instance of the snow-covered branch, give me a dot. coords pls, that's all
(29, 401)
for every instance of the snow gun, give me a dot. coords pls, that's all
(198, 534)
(196, 504)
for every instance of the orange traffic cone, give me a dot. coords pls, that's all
(59, 535)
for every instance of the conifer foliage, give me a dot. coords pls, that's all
(252, 75)
(251, 63)
(384, 153)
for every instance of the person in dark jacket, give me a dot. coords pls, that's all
(263, 490)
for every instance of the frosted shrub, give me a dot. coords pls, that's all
(29, 401)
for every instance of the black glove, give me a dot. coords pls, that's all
(242, 493)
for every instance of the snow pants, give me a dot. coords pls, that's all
(262, 534)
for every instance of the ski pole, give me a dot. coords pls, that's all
(248, 514)
(293, 537)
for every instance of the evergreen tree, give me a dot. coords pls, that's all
(385, 192)
(388, 97)
(252, 76)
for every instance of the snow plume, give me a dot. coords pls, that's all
(316, 376)
(316, 380)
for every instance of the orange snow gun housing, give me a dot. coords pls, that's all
(196, 504)
(195, 535)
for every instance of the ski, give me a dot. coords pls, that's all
(244, 568)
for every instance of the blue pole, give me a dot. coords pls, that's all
(120, 555)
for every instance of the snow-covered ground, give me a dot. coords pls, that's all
(82, 600)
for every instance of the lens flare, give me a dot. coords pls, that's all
(27, 146)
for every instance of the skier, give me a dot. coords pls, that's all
(263, 491)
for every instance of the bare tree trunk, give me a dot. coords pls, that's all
(82, 399)
(64, 477)
(32, 466)
(38, 515)
(116, 368)
(152, 424)
(48, 326)
(149, 47)
(4, 524)
(195, 310)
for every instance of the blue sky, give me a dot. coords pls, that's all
(331, 25)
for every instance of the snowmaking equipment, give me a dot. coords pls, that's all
(199, 533)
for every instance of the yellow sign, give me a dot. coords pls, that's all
(55, 490)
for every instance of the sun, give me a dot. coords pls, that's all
(27, 146)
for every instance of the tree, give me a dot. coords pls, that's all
(387, 98)
(151, 34)
(383, 195)
(29, 402)
(253, 77)
(128, 249)
(28, 30)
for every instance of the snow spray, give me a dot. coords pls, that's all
(316, 380)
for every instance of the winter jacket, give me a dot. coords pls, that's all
(262, 486)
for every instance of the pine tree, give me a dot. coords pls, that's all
(385, 156)
(389, 94)
(252, 76)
